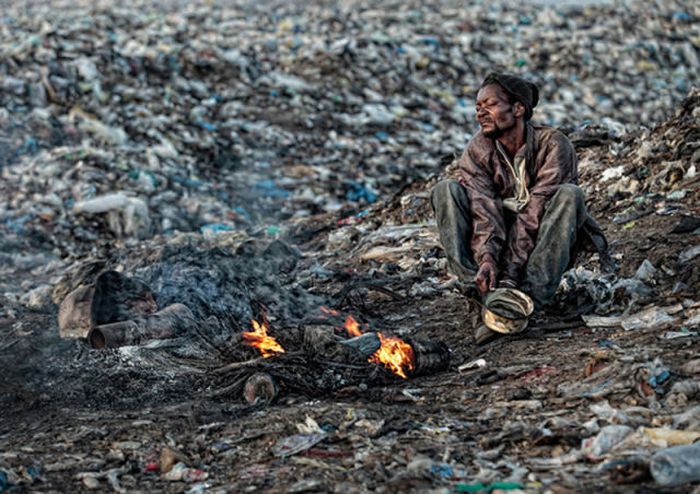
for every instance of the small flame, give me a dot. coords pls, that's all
(328, 311)
(352, 326)
(259, 339)
(395, 354)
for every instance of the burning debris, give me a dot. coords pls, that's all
(395, 354)
(352, 326)
(204, 324)
(258, 338)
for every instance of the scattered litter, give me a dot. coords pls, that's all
(474, 364)
(688, 255)
(602, 321)
(297, 443)
(181, 472)
(608, 437)
(251, 163)
(672, 335)
(670, 437)
(652, 318)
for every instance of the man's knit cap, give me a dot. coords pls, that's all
(517, 88)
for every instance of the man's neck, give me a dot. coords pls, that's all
(514, 139)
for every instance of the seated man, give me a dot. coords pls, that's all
(515, 217)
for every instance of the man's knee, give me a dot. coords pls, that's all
(569, 195)
(447, 190)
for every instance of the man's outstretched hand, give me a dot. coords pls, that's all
(485, 279)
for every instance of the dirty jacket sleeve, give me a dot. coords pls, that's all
(558, 166)
(489, 232)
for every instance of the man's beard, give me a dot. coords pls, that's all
(494, 133)
(497, 130)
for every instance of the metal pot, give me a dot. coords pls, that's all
(507, 310)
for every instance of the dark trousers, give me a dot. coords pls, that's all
(554, 252)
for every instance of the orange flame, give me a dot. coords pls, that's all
(259, 339)
(329, 312)
(352, 326)
(395, 354)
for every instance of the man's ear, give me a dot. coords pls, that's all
(518, 109)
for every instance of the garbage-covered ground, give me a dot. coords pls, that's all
(264, 160)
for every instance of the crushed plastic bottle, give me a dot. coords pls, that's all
(608, 437)
(676, 466)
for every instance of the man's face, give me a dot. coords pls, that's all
(495, 114)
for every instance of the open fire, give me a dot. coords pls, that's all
(394, 353)
(398, 356)
(352, 326)
(259, 339)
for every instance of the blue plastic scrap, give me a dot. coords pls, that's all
(206, 125)
(241, 211)
(359, 192)
(442, 470)
(268, 188)
(192, 183)
(216, 228)
(16, 225)
(382, 136)
(659, 378)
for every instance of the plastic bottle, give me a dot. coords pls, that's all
(608, 437)
(677, 465)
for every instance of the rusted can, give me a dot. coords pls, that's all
(166, 323)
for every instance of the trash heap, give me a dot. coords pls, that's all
(173, 144)
(125, 122)
(645, 188)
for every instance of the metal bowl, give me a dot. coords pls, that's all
(507, 310)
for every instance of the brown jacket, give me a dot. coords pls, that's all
(550, 162)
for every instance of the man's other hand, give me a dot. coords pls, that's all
(485, 279)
